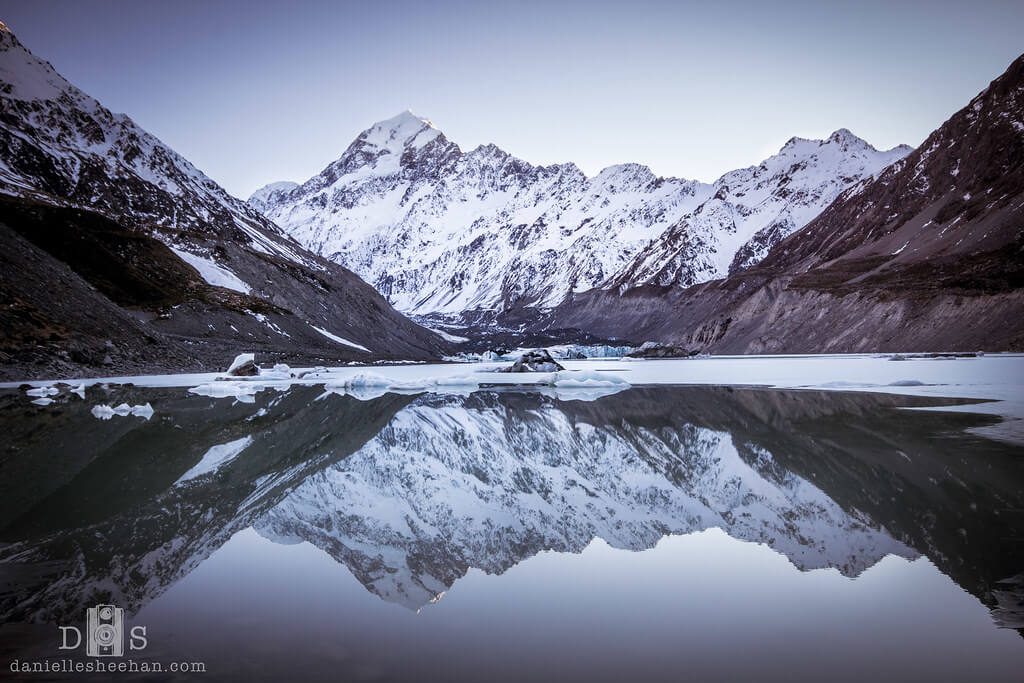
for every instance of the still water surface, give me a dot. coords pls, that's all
(659, 533)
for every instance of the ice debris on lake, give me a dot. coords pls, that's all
(587, 379)
(534, 361)
(105, 412)
(242, 391)
(367, 385)
(43, 401)
(279, 371)
(43, 392)
(244, 365)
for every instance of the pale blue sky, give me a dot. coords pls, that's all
(253, 92)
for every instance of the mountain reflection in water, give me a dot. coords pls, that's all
(410, 492)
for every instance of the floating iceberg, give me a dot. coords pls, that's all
(279, 371)
(243, 364)
(237, 390)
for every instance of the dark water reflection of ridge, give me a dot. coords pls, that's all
(90, 510)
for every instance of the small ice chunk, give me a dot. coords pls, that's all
(240, 361)
(587, 379)
(43, 391)
(361, 380)
(279, 371)
(80, 390)
(226, 389)
(43, 401)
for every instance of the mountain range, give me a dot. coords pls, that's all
(120, 256)
(441, 231)
(927, 255)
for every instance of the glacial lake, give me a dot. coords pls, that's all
(659, 533)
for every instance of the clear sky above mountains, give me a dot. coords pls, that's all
(253, 92)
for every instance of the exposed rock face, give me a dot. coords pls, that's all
(659, 350)
(928, 256)
(439, 230)
(534, 361)
(93, 203)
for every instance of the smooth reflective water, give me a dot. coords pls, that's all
(660, 533)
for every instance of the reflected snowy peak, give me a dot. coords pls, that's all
(452, 483)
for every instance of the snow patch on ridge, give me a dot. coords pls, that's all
(340, 340)
(212, 273)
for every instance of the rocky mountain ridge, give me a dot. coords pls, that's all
(927, 256)
(102, 222)
(441, 231)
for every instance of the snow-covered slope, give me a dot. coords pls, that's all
(754, 208)
(59, 142)
(436, 229)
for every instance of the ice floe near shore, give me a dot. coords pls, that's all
(367, 385)
(996, 377)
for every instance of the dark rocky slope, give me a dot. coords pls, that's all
(120, 256)
(927, 256)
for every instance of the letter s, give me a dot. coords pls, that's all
(138, 633)
(64, 637)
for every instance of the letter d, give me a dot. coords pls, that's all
(64, 637)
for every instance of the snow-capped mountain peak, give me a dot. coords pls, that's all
(395, 134)
(438, 230)
(270, 194)
(24, 76)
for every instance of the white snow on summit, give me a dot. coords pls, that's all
(439, 230)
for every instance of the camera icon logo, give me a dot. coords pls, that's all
(104, 631)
